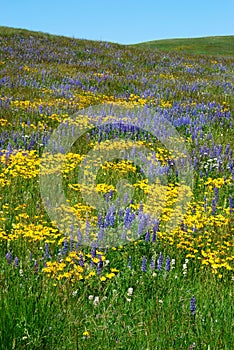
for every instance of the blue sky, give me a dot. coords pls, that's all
(121, 21)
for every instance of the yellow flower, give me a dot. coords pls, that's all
(114, 270)
(102, 278)
(86, 334)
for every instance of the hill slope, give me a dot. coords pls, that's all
(214, 45)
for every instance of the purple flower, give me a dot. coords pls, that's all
(127, 218)
(72, 243)
(9, 257)
(16, 261)
(216, 194)
(81, 260)
(193, 305)
(65, 246)
(147, 236)
(47, 253)
(100, 220)
(160, 261)
(231, 204)
(93, 251)
(168, 264)
(99, 265)
(205, 204)
(213, 206)
(101, 234)
(143, 265)
(152, 263)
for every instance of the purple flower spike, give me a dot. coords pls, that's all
(168, 264)
(16, 262)
(143, 265)
(9, 257)
(152, 263)
(160, 261)
(65, 246)
(193, 305)
(147, 236)
(81, 260)
(231, 204)
(213, 206)
(99, 266)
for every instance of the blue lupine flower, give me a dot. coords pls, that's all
(112, 219)
(79, 238)
(205, 203)
(147, 236)
(216, 194)
(16, 261)
(213, 206)
(231, 204)
(65, 246)
(9, 257)
(143, 265)
(87, 229)
(127, 220)
(101, 234)
(168, 264)
(152, 263)
(99, 266)
(193, 305)
(47, 253)
(93, 251)
(100, 220)
(160, 261)
(72, 243)
(154, 237)
(81, 260)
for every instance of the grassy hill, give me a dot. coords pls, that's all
(102, 148)
(214, 45)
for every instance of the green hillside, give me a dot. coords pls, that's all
(214, 45)
(116, 195)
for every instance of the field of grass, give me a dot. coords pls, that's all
(116, 196)
(214, 45)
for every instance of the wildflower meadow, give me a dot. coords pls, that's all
(116, 196)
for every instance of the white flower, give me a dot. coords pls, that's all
(74, 293)
(91, 297)
(129, 299)
(106, 262)
(130, 291)
(184, 269)
(96, 301)
(160, 301)
(172, 264)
